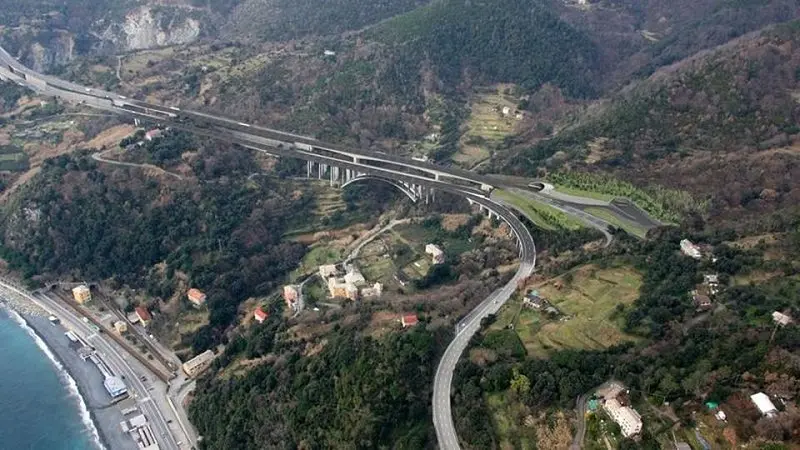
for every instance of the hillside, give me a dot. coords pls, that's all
(721, 125)
(494, 41)
(290, 19)
(636, 37)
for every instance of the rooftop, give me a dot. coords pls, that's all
(143, 313)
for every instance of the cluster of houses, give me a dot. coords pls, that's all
(349, 284)
(535, 301)
(703, 295)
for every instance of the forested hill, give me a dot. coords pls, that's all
(494, 41)
(290, 19)
(721, 125)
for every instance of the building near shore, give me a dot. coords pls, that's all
(199, 363)
(121, 327)
(144, 315)
(196, 297)
(81, 294)
(115, 386)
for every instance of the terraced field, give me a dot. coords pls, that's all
(588, 303)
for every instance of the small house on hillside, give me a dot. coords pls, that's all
(260, 315)
(436, 252)
(409, 320)
(196, 297)
(781, 318)
(764, 404)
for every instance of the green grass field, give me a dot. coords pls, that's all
(582, 193)
(589, 302)
(629, 227)
(542, 215)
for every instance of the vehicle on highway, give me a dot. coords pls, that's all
(88, 89)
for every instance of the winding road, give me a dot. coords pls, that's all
(475, 187)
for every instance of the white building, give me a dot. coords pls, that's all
(328, 271)
(781, 318)
(689, 249)
(437, 254)
(354, 276)
(506, 110)
(115, 386)
(629, 421)
(764, 404)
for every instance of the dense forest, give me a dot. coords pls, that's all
(679, 361)
(358, 392)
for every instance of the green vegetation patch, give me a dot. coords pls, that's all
(542, 215)
(629, 227)
(667, 205)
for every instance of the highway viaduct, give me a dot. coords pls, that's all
(416, 179)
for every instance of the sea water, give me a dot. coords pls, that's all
(40, 407)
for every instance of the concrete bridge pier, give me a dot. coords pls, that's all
(309, 168)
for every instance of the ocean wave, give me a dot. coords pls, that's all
(72, 386)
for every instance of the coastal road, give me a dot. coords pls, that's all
(467, 327)
(110, 355)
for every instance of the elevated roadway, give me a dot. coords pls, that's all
(475, 187)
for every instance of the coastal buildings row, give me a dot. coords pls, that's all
(199, 363)
(138, 428)
(113, 384)
(82, 294)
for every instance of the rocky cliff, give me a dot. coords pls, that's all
(147, 27)
(45, 46)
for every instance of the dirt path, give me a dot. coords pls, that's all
(100, 158)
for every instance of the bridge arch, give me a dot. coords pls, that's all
(402, 187)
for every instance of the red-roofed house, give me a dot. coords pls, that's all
(260, 315)
(409, 320)
(153, 134)
(144, 315)
(196, 297)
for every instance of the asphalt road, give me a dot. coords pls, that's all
(266, 140)
(111, 356)
(466, 328)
